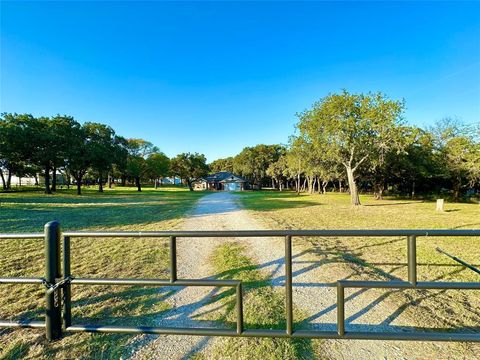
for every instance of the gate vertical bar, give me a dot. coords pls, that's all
(412, 260)
(340, 309)
(67, 289)
(173, 259)
(239, 294)
(53, 316)
(288, 284)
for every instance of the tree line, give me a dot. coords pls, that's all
(344, 142)
(361, 142)
(49, 146)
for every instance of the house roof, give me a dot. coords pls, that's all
(224, 176)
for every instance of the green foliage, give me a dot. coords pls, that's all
(253, 162)
(225, 164)
(353, 129)
(189, 166)
(158, 165)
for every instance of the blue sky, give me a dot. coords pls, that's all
(215, 77)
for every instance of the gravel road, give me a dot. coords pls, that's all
(222, 211)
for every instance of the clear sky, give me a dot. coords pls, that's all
(215, 77)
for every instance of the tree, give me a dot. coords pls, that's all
(138, 151)
(253, 162)
(278, 171)
(16, 145)
(190, 167)
(353, 129)
(458, 150)
(158, 166)
(78, 156)
(225, 164)
(295, 160)
(416, 165)
(59, 130)
(101, 147)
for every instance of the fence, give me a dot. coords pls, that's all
(59, 280)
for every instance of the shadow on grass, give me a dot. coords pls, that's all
(275, 200)
(27, 212)
(112, 209)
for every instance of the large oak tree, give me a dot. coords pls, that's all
(353, 129)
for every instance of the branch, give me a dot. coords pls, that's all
(352, 151)
(360, 162)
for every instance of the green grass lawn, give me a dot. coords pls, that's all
(382, 257)
(119, 209)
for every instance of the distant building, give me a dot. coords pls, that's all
(22, 181)
(223, 180)
(171, 181)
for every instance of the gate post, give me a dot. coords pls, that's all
(412, 259)
(53, 317)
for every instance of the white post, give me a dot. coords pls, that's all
(440, 205)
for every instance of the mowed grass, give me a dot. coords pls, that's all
(119, 209)
(384, 257)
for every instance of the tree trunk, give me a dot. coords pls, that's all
(352, 186)
(78, 178)
(54, 178)
(100, 182)
(79, 186)
(137, 183)
(298, 184)
(109, 181)
(47, 180)
(4, 184)
(9, 180)
(413, 190)
(378, 190)
(310, 184)
(304, 185)
(324, 187)
(124, 180)
(340, 189)
(36, 179)
(189, 183)
(456, 188)
(156, 183)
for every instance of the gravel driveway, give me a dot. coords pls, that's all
(222, 211)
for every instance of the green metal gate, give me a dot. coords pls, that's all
(58, 282)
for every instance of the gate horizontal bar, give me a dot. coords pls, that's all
(22, 324)
(404, 336)
(20, 280)
(22, 236)
(406, 285)
(422, 336)
(154, 282)
(150, 330)
(272, 233)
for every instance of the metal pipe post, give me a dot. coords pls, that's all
(412, 260)
(53, 316)
(173, 259)
(288, 284)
